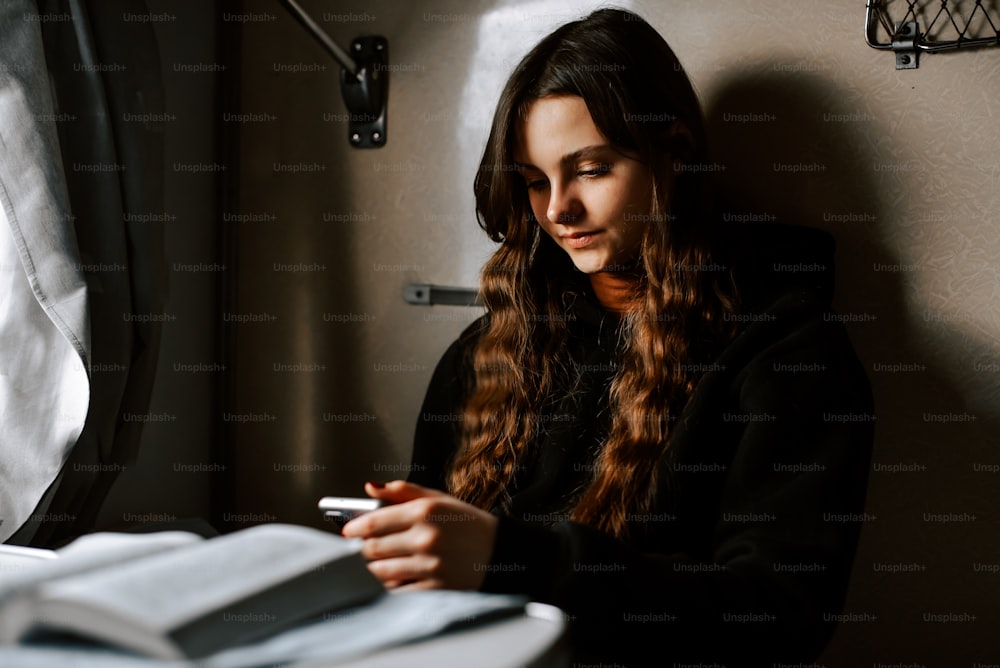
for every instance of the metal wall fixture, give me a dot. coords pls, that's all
(906, 38)
(425, 294)
(364, 80)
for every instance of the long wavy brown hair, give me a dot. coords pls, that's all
(641, 100)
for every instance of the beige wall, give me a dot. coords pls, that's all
(906, 174)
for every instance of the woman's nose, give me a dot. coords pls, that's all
(564, 205)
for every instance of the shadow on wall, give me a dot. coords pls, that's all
(301, 425)
(926, 574)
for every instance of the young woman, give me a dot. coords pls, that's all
(657, 426)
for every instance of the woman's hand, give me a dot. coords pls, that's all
(426, 540)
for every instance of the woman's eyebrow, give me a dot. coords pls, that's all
(587, 152)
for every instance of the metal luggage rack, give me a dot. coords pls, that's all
(951, 24)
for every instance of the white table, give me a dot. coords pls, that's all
(536, 639)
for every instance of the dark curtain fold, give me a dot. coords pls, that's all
(104, 68)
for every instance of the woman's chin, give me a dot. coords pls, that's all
(603, 267)
(589, 265)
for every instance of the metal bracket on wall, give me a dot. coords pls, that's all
(425, 294)
(366, 93)
(904, 45)
(364, 80)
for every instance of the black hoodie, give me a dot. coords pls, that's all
(746, 558)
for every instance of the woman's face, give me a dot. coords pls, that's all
(593, 200)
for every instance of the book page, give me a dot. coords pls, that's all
(85, 554)
(184, 595)
(15, 559)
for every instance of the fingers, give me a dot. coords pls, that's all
(398, 517)
(419, 585)
(404, 573)
(399, 491)
(391, 519)
(399, 544)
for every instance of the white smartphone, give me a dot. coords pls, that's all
(340, 510)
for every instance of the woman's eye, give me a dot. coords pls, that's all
(599, 170)
(537, 185)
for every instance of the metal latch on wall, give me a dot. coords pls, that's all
(904, 45)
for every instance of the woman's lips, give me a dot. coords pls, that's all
(579, 239)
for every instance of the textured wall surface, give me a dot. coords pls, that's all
(813, 127)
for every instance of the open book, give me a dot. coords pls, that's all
(174, 595)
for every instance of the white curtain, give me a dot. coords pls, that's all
(44, 328)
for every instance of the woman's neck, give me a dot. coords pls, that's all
(615, 291)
